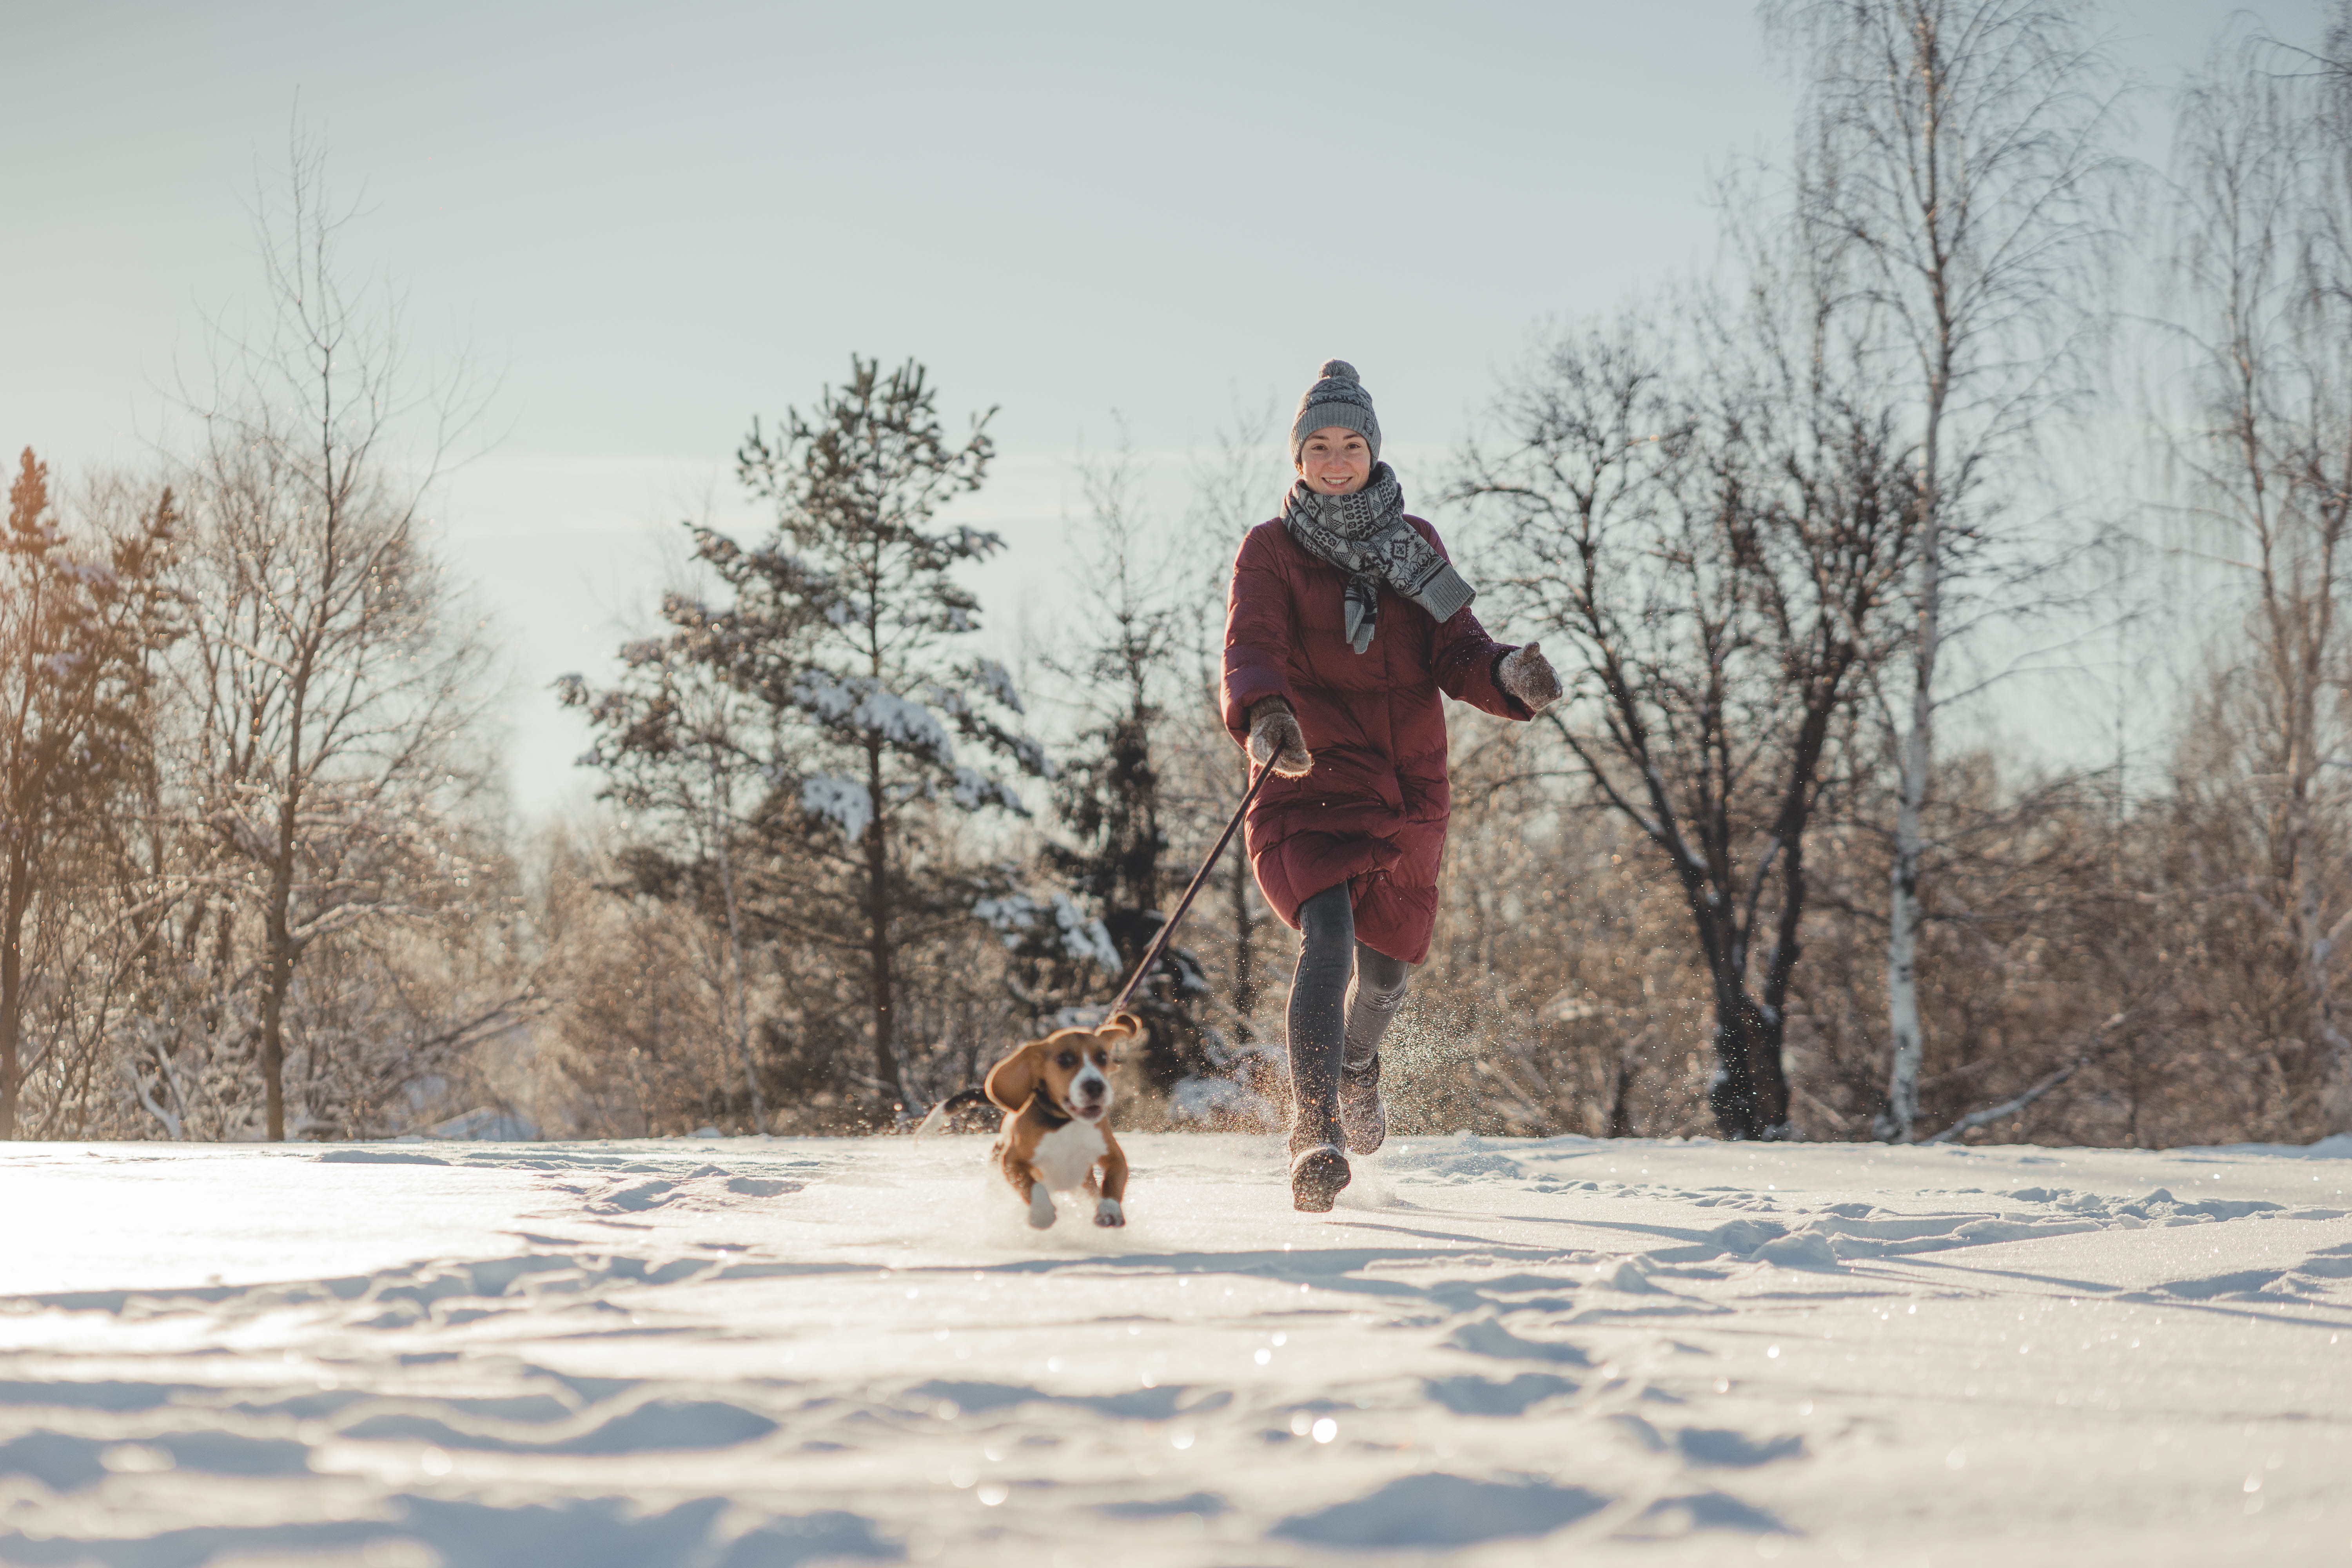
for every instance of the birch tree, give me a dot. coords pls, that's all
(2264, 264)
(1957, 156)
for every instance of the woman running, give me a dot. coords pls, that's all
(1345, 621)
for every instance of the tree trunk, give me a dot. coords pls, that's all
(1903, 923)
(11, 981)
(877, 932)
(279, 921)
(1905, 914)
(1620, 1090)
(735, 970)
(1749, 1094)
(277, 979)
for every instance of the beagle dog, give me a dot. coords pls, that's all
(1055, 1094)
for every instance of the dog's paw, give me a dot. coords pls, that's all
(1041, 1208)
(1108, 1213)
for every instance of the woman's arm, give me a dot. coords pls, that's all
(1469, 667)
(1257, 636)
(1467, 661)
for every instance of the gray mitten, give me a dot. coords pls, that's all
(1275, 739)
(1529, 675)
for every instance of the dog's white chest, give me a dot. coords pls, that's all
(1065, 1156)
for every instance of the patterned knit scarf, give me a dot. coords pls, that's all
(1366, 536)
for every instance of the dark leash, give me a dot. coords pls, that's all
(1168, 927)
(972, 1098)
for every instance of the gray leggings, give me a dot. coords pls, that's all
(1329, 1020)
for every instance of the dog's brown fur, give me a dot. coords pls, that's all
(1032, 1087)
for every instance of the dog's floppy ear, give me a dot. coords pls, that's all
(1011, 1081)
(1124, 1025)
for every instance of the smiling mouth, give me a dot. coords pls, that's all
(1088, 1113)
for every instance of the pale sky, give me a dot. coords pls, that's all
(654, 222)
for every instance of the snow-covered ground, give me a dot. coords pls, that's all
(748, 1352)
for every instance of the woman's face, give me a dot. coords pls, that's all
(1334, 462)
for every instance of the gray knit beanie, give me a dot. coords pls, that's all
(1336, 398)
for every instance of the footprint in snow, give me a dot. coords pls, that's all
(1439, 1509)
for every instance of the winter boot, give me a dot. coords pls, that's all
(1361, 1114)
(1317, 1174)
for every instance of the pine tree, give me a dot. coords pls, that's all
(1113, 797)
(848, 624)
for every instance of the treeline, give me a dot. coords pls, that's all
(256, 881)
(1976, 419)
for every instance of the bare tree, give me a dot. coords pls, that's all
(1954, 155)
(81, 622)
(683, 752)
(643, 1025)
(332, 696)
(1236, 483)
(2265, 267)
(1724, 555)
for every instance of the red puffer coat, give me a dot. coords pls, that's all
(1374, 811)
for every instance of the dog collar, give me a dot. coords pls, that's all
(1053, 1116)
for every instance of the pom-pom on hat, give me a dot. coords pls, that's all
(1337, 397)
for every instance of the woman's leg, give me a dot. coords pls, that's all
(1317, 1019)
(1380, 987)
(1379, 990)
